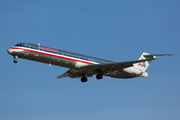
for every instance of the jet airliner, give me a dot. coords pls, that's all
(81, 66)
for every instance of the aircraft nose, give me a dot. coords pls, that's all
(10, 51)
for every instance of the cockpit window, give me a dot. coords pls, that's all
(17, 45)
(20, 44)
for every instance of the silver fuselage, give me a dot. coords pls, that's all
(62, 58)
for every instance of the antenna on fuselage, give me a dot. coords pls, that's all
(38, 44)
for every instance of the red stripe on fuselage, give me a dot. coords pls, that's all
(51, 54)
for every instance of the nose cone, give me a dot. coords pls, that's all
(10, 51)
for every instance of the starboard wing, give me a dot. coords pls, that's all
(109, 67)
(115, 64)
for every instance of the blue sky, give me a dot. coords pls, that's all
(113, 30)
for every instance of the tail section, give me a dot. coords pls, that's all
(144, 65)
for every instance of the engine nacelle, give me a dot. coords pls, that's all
(79, 64)
(133, 70)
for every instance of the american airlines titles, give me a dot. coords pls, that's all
(48, 48)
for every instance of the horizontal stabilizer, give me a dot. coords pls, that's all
(144, 65)
(151, 55)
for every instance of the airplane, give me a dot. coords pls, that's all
(81, 66)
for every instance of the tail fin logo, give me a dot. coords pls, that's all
(142, 64)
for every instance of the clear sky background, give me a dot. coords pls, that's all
(110, 29)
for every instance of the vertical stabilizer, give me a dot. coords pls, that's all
(144, 65)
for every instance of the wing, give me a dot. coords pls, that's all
(73, 73)
(114, 65)
(89, 70)
(110, 67)
(66, 74)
